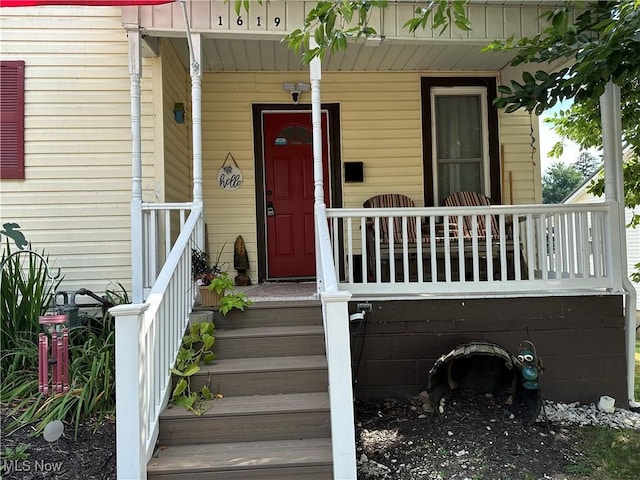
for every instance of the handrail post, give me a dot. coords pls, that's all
(131, 396)
(336, 313)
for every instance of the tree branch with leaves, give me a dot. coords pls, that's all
(334, 24)
(601, 45)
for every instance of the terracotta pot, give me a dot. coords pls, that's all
(209, 298)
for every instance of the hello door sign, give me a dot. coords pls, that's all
(230, 176)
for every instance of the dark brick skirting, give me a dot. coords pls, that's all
(580, 340)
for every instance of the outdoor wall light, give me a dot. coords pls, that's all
(296, 89)
(178, 112)
(374, 41)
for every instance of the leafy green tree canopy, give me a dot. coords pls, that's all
(587, 164)
(558, 181)
(602, 44)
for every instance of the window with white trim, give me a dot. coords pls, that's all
(460, 146)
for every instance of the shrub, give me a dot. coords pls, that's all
(26, 289)
(91, 374)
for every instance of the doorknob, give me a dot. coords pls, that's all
(269, 192)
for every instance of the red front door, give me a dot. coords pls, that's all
(288, 156)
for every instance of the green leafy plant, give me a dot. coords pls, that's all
(223, 285)
(232, 301)
(26, 288)
(19, 452)
(195, 349)
(334, 24)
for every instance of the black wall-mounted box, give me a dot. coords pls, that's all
(354, 172)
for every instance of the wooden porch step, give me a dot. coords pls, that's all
(257, 417)
(266, 376)
(304, 459)
(269, 341)
(271, 314)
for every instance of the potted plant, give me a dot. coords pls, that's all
(203, 274)
(208, 297)
(199, 264)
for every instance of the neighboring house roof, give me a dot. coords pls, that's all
(581, 190)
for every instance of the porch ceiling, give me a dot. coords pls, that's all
(224, 54)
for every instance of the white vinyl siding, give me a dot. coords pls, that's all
(520, 147)
(75, 200)
(521, 159)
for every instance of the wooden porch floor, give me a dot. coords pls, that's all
(306, 291)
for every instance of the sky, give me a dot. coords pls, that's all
(548, 138)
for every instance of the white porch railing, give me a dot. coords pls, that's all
(443, 251)
(147, 340)
(335, 317)
(161, 225)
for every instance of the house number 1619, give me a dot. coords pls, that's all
(240, 21)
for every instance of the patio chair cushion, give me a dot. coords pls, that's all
(473, 199)
(392, 200)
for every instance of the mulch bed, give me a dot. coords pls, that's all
(89, 455)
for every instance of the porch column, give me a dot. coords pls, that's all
(611, 117)
(195, 56)
(196, 107)
(315, 74)
(135, 74)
